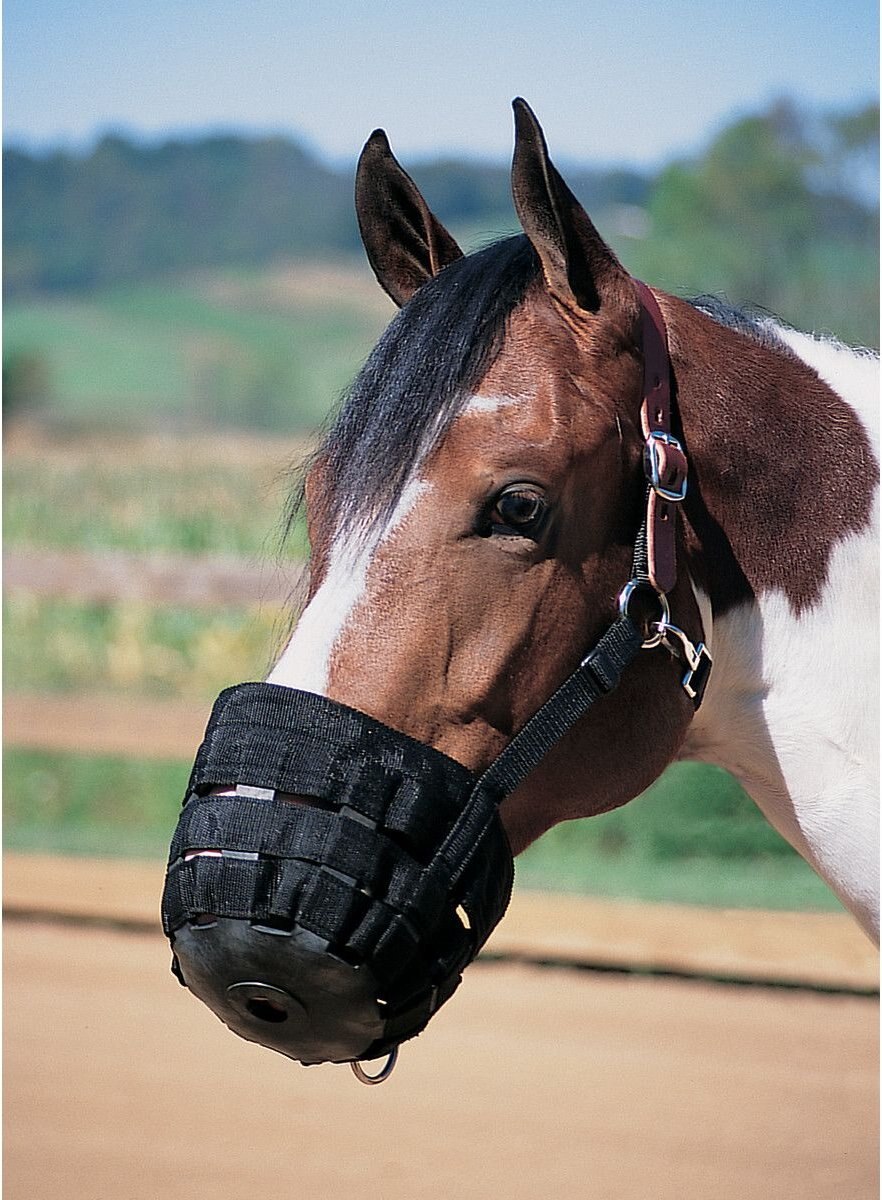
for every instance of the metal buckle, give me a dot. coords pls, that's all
(652, 465)
(695, 680)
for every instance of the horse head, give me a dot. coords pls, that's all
(473, 515)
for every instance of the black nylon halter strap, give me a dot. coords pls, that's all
(597, 674)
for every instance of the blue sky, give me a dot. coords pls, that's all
(612, 81)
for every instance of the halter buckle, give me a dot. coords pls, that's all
(665, 465)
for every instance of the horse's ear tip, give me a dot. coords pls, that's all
(377, 141)
(526, 122)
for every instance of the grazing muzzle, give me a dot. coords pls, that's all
(329, 928)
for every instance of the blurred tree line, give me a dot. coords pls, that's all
(780, 209)
(782, 212)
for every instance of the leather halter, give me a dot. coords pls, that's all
(667, 471)
(663, 459)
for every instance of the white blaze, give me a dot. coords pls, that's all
(306, 660)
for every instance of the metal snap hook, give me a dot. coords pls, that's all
(696, 656)
(382, 1075)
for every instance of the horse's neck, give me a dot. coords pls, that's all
(792, 707)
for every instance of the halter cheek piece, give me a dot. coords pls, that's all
(666, 471)
(332, 930)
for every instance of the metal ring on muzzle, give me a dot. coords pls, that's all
(329, 930)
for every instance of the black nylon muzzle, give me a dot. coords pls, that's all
(329, 930)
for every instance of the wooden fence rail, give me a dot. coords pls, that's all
(127, 727)
(119, 575)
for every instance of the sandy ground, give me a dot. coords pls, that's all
(532, 1082)
(824, 950)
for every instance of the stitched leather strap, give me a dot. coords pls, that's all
(664, 460)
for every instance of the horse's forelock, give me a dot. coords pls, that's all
(416, 381)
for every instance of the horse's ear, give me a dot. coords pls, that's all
(576, 262)
(406, 244)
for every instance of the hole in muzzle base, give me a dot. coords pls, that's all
(265, 1003)
(266, 1010)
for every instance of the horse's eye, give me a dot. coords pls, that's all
(520, 509)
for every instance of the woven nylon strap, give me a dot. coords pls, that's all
(598, 673)
(393, 790)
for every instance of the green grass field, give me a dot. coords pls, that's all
(266, 351)
(188, 494)
(60, 645)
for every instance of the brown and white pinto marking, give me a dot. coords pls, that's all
(453, 613)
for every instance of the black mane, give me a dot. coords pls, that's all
(418, 378)
(757, 324)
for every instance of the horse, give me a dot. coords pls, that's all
(540, 446)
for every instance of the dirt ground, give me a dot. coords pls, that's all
(531, 1083)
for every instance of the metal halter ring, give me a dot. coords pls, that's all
(382, 1075)
(625, 597)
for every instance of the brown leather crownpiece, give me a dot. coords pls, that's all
(665, 462)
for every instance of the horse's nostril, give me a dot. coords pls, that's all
(266, 1010)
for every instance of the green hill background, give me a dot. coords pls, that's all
(220, 279)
